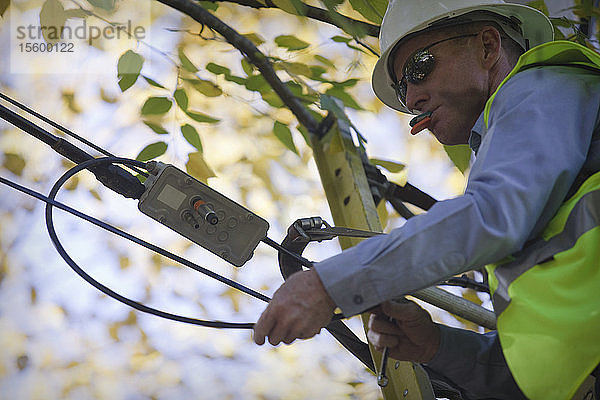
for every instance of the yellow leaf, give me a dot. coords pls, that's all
(131, 319)
(198, 168)
(124, 262)
(72, 183)
(113, 331)
(14, 163)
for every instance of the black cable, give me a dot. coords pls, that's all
(61, 128)
(50, 201)
(467, 283)
(282, 249)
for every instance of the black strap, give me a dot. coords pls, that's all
(298, 236)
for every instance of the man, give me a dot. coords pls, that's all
(531, 205)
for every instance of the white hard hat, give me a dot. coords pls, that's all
(406, 17)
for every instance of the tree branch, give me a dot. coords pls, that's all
(316, 13)
(248, 49)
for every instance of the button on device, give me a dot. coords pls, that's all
(232, 222)
(206, 211)
(357, 299)
(223, 236)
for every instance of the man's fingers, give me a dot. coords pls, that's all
(263, 326)
(382, 324)
(406, 311)
(380, 340)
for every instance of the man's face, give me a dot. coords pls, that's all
(455, 91)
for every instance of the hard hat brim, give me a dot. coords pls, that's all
(537, 29)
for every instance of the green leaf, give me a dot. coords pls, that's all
(128, 69)
(317, 71)
(107, 5)
(330, 104)
(200, 117)
(247, 66)
(347, 83)
(198, 168)
(325, 61)
(156, 105)
(460, 156)
(297, 68)
(156, 128)
(272, 99)
(341, 39)
(209, 5)
(295, 7)
(257, 83)
(305, 134)
(191, 135)
(186, 63)
(52, 20)
(254, 38)
(391, 166)
(373, 10)
(152, 82)
(130, 62)
(217, 69)
(291, 42)
(345, 97)
(181, 98)
(152, 151)
(207, 88)
(235, 79)
(283, 133)
(4, 6)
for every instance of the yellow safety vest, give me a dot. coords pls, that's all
(547, 296)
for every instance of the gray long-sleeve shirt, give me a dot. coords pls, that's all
(543, 128)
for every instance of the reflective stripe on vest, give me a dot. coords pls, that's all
(584, 217)
(547, 296)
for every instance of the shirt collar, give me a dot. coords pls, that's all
(476, 133)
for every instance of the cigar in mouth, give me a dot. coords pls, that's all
(420, 122)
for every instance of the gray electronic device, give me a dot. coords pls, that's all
(201, 214)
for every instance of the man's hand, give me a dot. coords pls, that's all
(411, 336)
(298, 310)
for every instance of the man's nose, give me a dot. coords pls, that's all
(416, 97)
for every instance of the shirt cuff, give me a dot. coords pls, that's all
(347, 282)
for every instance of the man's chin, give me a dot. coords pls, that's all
(449, 138)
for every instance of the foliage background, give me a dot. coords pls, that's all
(59, 337)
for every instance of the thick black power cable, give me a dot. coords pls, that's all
(61, 128)
(51, 202)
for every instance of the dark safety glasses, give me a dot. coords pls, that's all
(417, 67)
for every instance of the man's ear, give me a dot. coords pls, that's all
(491, 46)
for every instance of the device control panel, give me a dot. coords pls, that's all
(201, 214)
